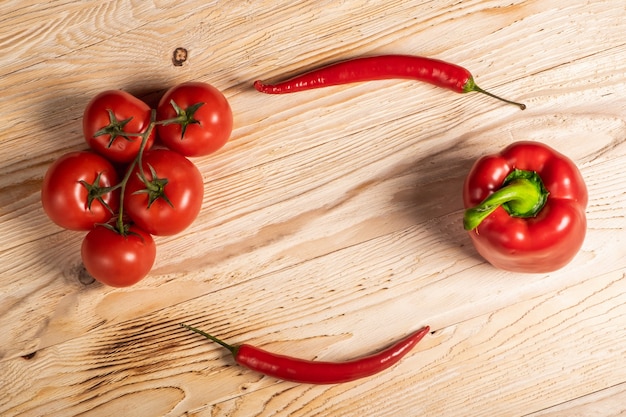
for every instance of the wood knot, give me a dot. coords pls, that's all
(179, 56)
(80, 273)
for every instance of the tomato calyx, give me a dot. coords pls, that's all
(121, 228)
(155, 188)
(95, 192)
(184, 117)
(523, 194)
(115, 129)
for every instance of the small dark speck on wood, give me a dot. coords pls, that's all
(179, 57)
(30, 355)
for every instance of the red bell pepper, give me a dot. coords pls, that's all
(525, 208)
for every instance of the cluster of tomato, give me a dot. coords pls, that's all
(136, 180)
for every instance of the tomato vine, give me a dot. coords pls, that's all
(160, 191)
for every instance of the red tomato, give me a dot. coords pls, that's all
(205, 120)
(117, 260)
(176, 196)
(65, 198)
(108, 116)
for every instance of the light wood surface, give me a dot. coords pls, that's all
(331, 223)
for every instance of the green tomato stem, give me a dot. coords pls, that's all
(523, 195)
(138, 160)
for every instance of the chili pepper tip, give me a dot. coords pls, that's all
(258, 84)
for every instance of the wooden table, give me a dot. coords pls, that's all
(331, 223)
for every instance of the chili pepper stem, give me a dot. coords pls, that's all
(231, 348)
(522, 195)
(471, 86)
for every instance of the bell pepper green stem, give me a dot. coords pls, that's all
(522, 194)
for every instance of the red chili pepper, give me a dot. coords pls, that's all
(317, 372)
(433, 71)
(526, 208)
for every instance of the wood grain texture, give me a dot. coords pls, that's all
(331, 223)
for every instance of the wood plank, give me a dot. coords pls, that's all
(606, 402)
(497, 359)
(331, 220)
